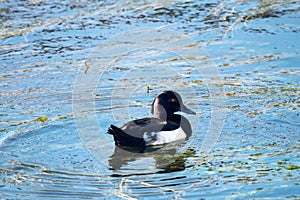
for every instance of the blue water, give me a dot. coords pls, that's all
(70, 69)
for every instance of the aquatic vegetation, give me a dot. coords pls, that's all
(42, 118)
(293, 167)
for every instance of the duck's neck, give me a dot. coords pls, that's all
(173, 117)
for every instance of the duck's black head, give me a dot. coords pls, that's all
(167, 103)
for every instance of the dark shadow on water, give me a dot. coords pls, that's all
(166, 157)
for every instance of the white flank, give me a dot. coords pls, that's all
(164, 137)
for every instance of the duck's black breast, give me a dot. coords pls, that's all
(183, 123)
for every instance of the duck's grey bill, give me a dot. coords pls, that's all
(187, 110)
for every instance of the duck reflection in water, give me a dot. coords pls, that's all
(167, 159)
(149, 134)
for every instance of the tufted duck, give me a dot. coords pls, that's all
(167, 127)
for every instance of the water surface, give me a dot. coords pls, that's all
(46, 45)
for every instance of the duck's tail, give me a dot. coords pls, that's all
(117, 133)
(123, 139)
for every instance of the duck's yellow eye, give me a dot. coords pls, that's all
(173, 100)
